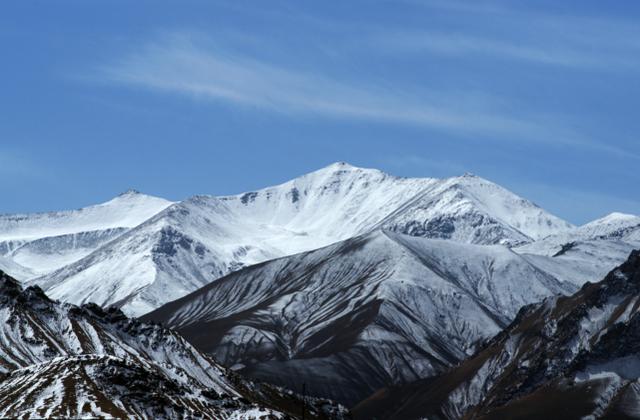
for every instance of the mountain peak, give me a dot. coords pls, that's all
(341, 168)
(338, 166)
(471, 178)
(341, 164)
(617, 216)
(612, 221)
(129, 192)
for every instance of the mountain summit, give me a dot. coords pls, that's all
(138, 252)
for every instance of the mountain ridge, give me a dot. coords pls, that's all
(191, 243)
(574, 356)
(403, 307)
(62, 360)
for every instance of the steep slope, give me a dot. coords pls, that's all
(569, 357)
(377, 309)
(43, 242)
(66, 361)
(191, 243)
(473, 210)
(175, 252)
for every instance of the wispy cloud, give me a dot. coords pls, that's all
(178, 65)
(503, 30)
(545, 50)
(183, 65)
(465, 45)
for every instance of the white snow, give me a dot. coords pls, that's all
(616, 227)
(126, 210)
(45, 242)
(14, 269)
(189, 244)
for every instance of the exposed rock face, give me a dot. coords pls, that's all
(378, 309)
(60, 360)
(569, 356)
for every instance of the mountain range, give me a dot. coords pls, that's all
(348, 318)
(345, 281)
(139, 252)
(565, 357)
(64, 361)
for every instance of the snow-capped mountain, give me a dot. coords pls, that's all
(127, 210)
(582, 261)
(346, 279)
(615, 227)
(374, 310)
(588, 252)
(569, 357)
(191, 243)
(43, 242)
(65, 361)
(473, 210)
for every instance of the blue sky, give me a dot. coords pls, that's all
(179, 98)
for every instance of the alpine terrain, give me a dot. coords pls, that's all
(64, 361)
(339, 283)
(380, 308)
(139, 252)
(43, 242)
(566, 357)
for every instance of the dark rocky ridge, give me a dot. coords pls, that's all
(61, 360)
(535, 367)
(347, 319)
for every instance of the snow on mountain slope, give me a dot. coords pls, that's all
(342, 201)
(177, 251)
(94, 385)
(44, 242)
(473, 210)
(614, 227)
(377, 309)
(588, 252)
(333, 203)
(569, 357)
(47, 254)
(191, 243)
(583, 261)
(126, 210)
(14, 269)
(60, 360)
